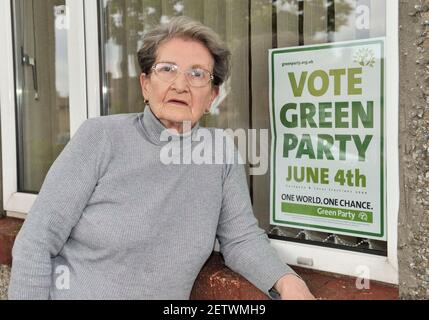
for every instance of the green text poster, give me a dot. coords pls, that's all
(327, 121)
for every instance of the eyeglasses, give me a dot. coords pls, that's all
(168, 72)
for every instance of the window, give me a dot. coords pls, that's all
(298, 23)
(250, 28)
(42, 91)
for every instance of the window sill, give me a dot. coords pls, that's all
(9, 228)
(218, 282)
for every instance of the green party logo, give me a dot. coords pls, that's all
(364, 57)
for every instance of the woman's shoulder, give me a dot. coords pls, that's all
(106, 126)
(112, 122)
(115, 119)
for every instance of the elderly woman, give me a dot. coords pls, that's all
(112, 221)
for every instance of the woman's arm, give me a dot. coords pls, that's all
(64, 194)
(244, 246)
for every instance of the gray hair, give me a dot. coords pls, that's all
(186, 28)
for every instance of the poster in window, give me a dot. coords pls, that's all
(327, 122)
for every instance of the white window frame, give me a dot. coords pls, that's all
(350, 263)
(17, 204)
(93, 58)
(85, 102)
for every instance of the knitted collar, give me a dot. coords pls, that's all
(153, 127)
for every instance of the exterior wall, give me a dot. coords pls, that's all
(2, 213)
(413, 251)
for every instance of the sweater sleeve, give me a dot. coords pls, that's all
(244, 246)
(65, 192)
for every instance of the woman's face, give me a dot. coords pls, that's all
(177, 101)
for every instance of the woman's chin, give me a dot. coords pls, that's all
(175, 114)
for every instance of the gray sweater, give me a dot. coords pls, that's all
(113, 222)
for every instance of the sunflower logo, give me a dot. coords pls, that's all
(364, 57)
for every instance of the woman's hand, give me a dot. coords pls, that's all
(292, 287)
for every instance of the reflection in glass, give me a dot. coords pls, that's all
(41, 62)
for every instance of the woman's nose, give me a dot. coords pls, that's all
(180, 83)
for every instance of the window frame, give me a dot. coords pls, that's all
(15, 203)
(379, 268)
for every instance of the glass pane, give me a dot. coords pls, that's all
(42, 95)
(121, 30)
(296, 23)
(250, 28)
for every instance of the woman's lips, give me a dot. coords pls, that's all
(177, 102)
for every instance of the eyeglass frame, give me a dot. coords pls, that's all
(153, 68)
